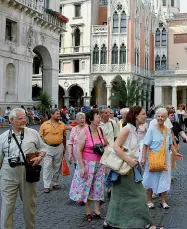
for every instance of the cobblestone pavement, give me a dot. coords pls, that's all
(56, 211)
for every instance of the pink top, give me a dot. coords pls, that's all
(88, 153)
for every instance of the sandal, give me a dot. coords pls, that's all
(164, 205)
(97, 216)
(88, 217)
(150, 206)
(47, 190)
(56, 186)
(149, 227)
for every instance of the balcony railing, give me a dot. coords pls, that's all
(99, 29)
(170, 72)
(120, 68)
(32, 4)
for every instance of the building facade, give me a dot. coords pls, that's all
(28, 29)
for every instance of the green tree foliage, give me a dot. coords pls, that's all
(128, 93)
(45, 103)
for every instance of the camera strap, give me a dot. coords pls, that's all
(92, 137)
(10, 138)
(19, 146)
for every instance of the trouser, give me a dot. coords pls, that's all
(52, 164)
(12, 181)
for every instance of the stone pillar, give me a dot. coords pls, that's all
(158, 95)
(108, 87)
(174, 97)
(184, 96)
(140, 101)
(66, 101)
(149, 98)
(86, 100)
(145, 98)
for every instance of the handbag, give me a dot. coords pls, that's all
(32, 172)
(64, 168)
(157, 161)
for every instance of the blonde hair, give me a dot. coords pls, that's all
(162, 110)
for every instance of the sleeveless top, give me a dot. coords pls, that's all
(132, 143)
(88, 153)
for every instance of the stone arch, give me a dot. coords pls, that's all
(76, 94)
(61, 94)
(10, 81)
(116, 79)
(99, 91)
(47, 69)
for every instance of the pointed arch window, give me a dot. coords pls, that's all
(123, 54)
(96, 55)
(115, 23)
(163, 63)
(157, 63)
(103, 55)
(157, 37)
(123, 28)
(115, 54)
(164, 37)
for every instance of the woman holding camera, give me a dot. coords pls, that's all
(88, 180)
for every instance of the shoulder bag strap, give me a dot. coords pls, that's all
(91, 134)
(112, 126)
(99, 135)
(13, 135)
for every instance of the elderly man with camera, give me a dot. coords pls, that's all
(53, 133)
(18, 171)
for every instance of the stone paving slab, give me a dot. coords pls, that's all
(56, 211)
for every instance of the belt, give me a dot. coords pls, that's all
(54, 145)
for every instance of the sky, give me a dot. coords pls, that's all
(183, 6)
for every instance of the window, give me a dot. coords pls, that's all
(164, 2)
(163, 63)
(10, 78)
(138, 58)
(123, 54)
(46, 4)
(77, 36)
(157, 63)
(115, 54)
(115, 23)
(164, 37)
(103, 55)
(77, 10)
(60, 10)
(11, 30)
(172, 3)
(123, 23)
(96, 55)
(60, 63)
(76, 65)
(157, 37)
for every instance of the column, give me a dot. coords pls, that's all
(149, 98)
(184, 96)
(174, 97)
(66, 101)
(140, 101)
(144, 99)
(158, 95)
(108, 87)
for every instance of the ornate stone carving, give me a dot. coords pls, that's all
(12, 48)
(43, 39)
(30, 38)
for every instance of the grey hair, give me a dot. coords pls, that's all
(162, 110)
(111, 111)
(13, 113)
(52, 112)
(80, 114)
(124, 111)
(102, 108)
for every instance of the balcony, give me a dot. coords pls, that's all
(121, 68)
(99, 29)
(170, 72)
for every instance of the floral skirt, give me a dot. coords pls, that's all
(91, 187)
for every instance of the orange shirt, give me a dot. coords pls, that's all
(53, 135)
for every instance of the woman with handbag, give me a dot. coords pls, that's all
(127, 207)
(88, 180)
(157, 161)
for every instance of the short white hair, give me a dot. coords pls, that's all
(13, 113)
(124, 111)
(80, 114)
(162, 110)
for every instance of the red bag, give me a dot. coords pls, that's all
(64, 168)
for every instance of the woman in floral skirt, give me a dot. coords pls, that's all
(88, 180)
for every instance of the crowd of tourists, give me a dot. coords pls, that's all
(114, 152)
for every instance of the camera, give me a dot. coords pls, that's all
(13, 161)
(99, 149)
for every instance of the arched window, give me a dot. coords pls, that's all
(163, 62)
(103, 55)
(123, 54)
(115, 23)
(115, 54)
(77, 36)
(164, 37)
(157, 37)
(10, 79)
(96, 55)
(157, 63)
(123, 28)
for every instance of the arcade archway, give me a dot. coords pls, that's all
(76, 96)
